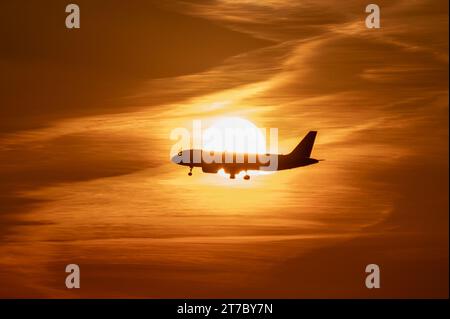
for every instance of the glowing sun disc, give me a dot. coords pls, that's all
(234, 134)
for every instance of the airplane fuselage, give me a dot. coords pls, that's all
(234, 163)
(243, 162)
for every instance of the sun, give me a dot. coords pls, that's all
(234, 134)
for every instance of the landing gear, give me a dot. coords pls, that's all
(190, 171)
(247, 177)
(232, 176)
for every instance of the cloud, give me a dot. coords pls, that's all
(49, 72)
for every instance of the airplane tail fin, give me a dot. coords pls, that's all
(303, 150)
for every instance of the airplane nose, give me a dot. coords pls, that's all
(176, 159)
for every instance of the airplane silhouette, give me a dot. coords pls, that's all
(234, 163)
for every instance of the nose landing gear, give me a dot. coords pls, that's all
(190, 171)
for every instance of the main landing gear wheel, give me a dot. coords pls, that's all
(232, 176)
(190, 172)
(247, 177)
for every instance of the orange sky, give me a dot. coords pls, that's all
(85, 175)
